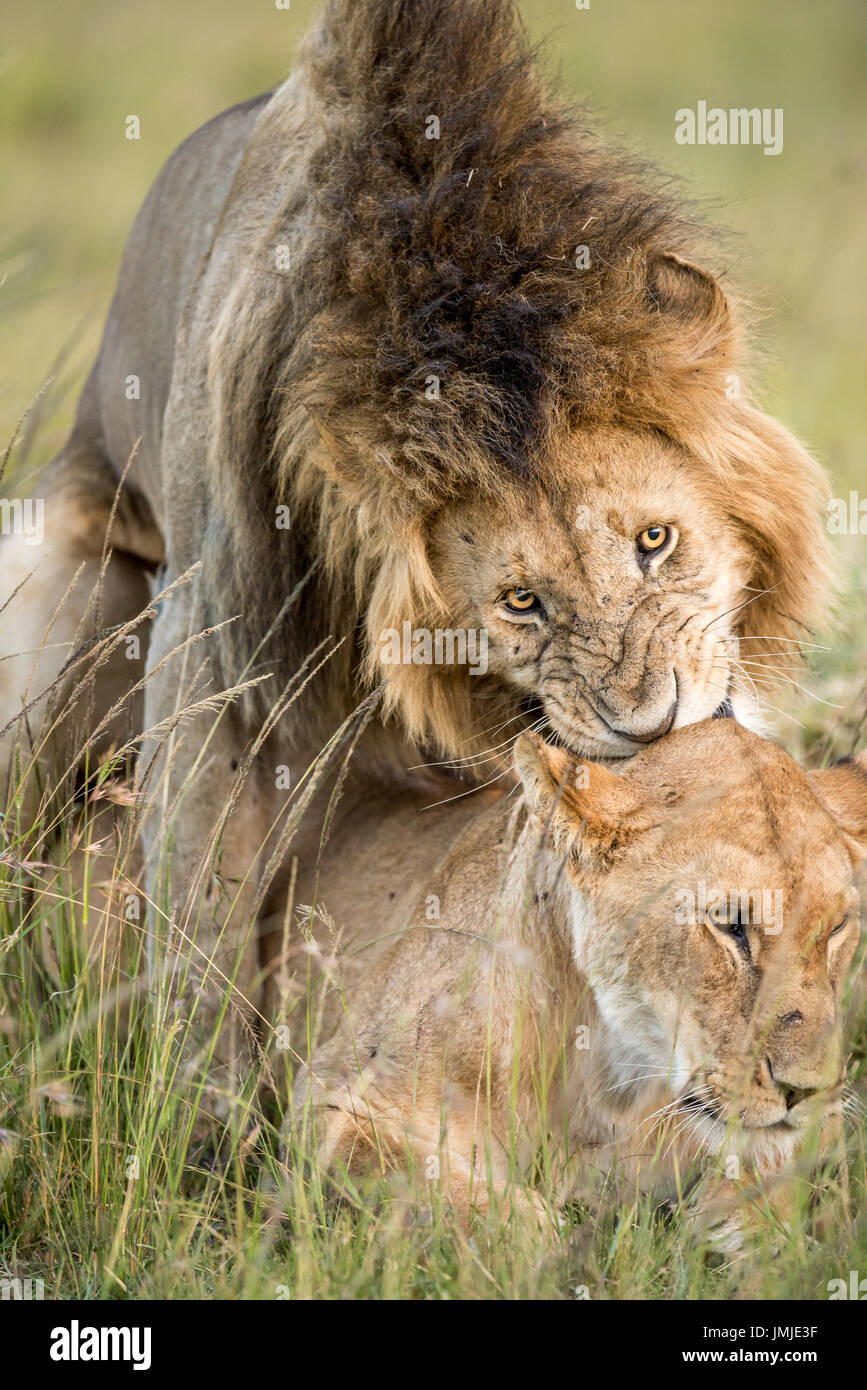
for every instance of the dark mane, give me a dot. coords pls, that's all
(455, 257)
(463, 248)
(423, 266)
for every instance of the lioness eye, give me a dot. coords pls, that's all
(652, 538)
(520, 600)
(738, 931)
(735, 926)
(840, 926)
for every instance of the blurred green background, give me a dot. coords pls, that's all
(72, 182)
(70, 74)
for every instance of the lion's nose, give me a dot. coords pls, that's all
(640, 735)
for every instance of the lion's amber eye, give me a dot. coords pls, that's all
(520, 600)
(652, 538)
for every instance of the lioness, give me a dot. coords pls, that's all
(398, 347)
(649, 963)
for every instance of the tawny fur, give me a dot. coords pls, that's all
(301, 268)
(455, 258)
(448, 1015)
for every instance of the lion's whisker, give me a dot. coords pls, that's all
(813, 696)
(475, 759)
(469, 791)
(774, 637)
(740, 606)
(522, 714)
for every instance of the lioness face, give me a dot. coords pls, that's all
(609, 606)
(715, 915)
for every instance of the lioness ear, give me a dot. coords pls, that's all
(843, 789)
(589, 809)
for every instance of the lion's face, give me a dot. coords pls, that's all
(715, 915)
(609, 604)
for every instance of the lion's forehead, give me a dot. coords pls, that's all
(599, 495)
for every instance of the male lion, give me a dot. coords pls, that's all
(400, 349)
(650, 964)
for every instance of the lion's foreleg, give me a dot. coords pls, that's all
(203, 838)
(59, 597)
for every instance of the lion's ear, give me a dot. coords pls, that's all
(843, 789)
(587, 808)
(690, 302)
(679, 289)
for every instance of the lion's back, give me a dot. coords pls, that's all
(169, 239)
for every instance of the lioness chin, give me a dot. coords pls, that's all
(650, 964)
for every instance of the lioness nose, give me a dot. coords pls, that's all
(793, 1094)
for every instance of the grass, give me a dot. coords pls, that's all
(106, 1193)
(107, 1189)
